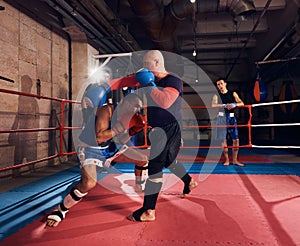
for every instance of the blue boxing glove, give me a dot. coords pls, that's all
(95, 95)
(145, 78)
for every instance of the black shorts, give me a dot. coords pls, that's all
(165, 145)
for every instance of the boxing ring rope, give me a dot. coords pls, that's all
(276, 125)
(275, 103)
(248, 125)
(61, 128)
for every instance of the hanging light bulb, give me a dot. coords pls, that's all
(194, 52)
(192, 1)
(73, 12)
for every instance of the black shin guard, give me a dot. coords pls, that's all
(186, 179)
(141, 168)
(178, 169)
(152, 190)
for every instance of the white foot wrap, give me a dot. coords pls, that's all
(71, 199)
(81, 155)
(57, 215)
(92, 161)
(121, 151)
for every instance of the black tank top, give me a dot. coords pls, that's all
(227, 98)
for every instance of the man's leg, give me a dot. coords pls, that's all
(235, 153)
(87, 182)
(225, 151)
(138, 171)
(221, 135)
(152, 187)
(233, 132)
(141, 163)
(189, 183)
(158, 157)
(147, 212)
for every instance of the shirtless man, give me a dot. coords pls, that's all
(112, 131)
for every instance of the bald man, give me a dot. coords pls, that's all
(164, 99)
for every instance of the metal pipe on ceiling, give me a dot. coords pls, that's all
(234, 7)
(110, 21)
(249, 37)
(283, 39)
(238, 7)
(68, 12)
(161, 21)
(97, 20)
(152, 15)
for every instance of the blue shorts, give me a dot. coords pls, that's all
(101, 154)
(221, 133)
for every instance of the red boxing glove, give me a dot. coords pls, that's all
(137, 124)
(134, 123)
(118, 127)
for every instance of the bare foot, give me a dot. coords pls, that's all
(238, 163)
(138, 188)
(226, 163)
(54, 218)
(193, 184)
(52, 223)
(147, 216)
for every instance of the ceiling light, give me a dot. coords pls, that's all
(194, 52)
(192, 1)
(73, 12)
(243, 8)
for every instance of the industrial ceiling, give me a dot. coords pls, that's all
(229, 38)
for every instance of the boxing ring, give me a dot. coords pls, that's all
(257, 204)
(61, 129)
(252, 205)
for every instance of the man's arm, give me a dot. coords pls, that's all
(103, 133)
(237, 99)
(123, 129)
(165, 97)
(135, 125)
(238, 102)
(214, 102)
